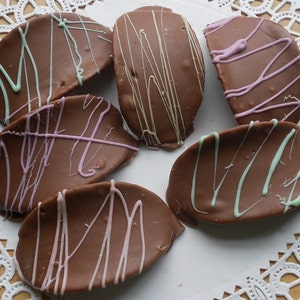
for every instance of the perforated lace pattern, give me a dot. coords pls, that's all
(17, 12)
(11, 285)
(270, 283)
(285, 12)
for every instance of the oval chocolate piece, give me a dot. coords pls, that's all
(258, 63)
(47, 57)
(121, 228)
(245, 173)
(69, 142)
(160, 75)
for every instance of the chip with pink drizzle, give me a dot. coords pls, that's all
(94, 236)
(72, 141)
(258, 63)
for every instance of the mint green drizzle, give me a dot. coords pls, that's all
(63, 23)
(236, 210)
(193, 187)
(295, 202)
(16, 86)
(291, 202)
(50, 63)
(34, 66)
(216, 188)
(5, 96)
(276, 160)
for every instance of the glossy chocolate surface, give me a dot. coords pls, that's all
(258, 63)
(69, 142)
(245, 173)
(94, 236)
(45, 58)
(160, 75)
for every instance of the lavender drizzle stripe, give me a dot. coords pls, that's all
(228, 55)
(31, 150)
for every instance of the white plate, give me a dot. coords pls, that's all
(206, 261)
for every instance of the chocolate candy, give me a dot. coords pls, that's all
(47, 57)
(67, 143)
(258, 63)
(245, 173)
(94, 236)
(160, 75)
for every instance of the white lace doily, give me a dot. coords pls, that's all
(285, 12)
(13, 13)
(282, 277)
(11, 288)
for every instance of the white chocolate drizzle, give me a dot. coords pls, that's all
(159, 78)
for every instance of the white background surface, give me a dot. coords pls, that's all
(203, 261)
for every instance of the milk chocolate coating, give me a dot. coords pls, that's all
(94, 236)
(242, 174)
(160, 75)
(258, 63)
(69, 142)
(48, 56)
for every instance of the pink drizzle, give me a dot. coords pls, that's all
(61, 255)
